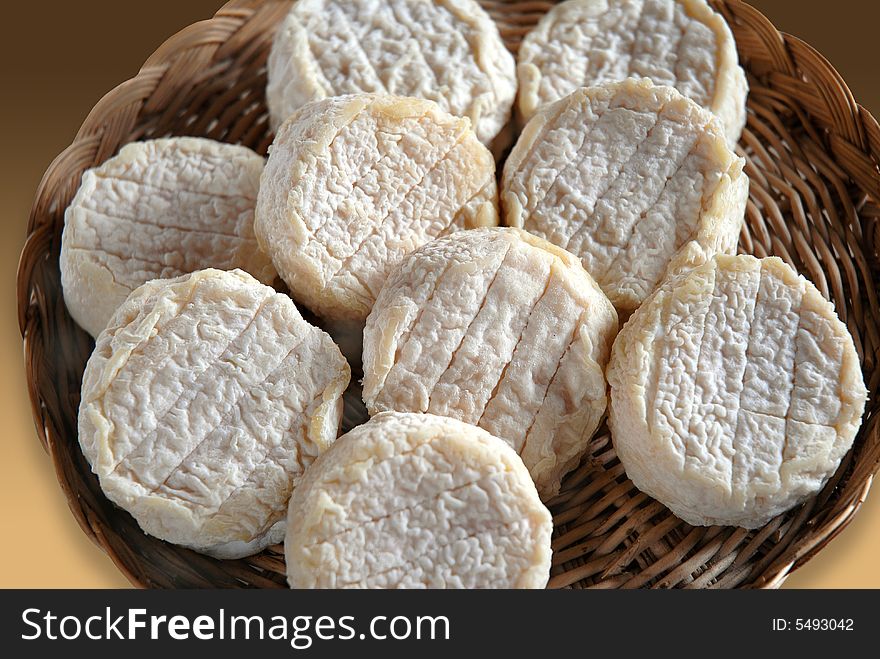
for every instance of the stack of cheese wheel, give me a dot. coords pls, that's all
(211, 408)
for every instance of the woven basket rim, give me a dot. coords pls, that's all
(853, 138)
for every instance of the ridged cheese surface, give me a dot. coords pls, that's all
(446, 51)
(626, 176)
(499, 329)
(679, 43)
(735, 392)
(417, 501)
(355, 183)
(205, 399)
(159, 209)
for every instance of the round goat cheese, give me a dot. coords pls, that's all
(417, 501)
(626, 176)
(499, 329)
(447, 51)
(735, 392)
(679, 43)
(354, 183)
(204, 401)
(159, 209)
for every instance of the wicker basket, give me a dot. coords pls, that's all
(812, 156)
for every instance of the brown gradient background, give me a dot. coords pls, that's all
(58, 59)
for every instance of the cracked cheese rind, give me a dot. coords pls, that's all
(626, 176)
(205, 399)
(446, 51)
(679, 43)
(417, 501)
(500, 329)
(735, 392)
(159, 209)
(354, 183)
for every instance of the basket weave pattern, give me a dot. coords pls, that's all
(812, 155)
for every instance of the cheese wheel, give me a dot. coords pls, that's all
(417, 501)
(205, 399)
(735, 392)
(680, 43)
(354, 183)
(159, 209)
(500, 329)
(447, 51)
(626, 176)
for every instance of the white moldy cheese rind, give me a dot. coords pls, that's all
(626, 176)
(159, 209)
(499, 329)
(354, 183)
(679, 43)
(447, 51)
(417, 501)
(205, 399)
(735, 392)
